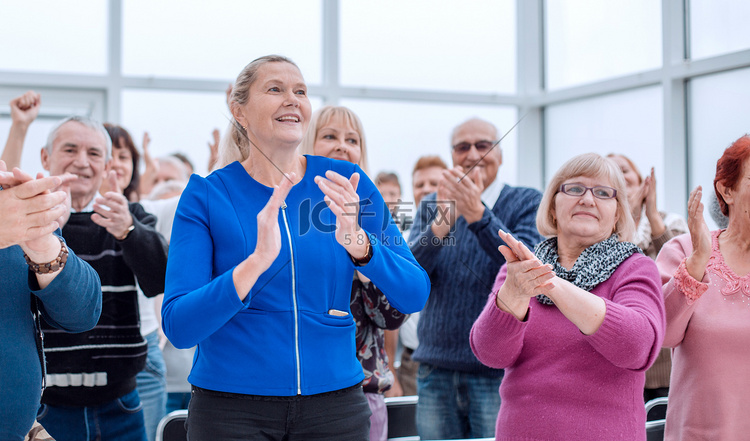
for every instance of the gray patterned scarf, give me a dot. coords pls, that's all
(595, 264)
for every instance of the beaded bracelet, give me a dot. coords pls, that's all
(49, 267)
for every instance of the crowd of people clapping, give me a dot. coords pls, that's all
(131, 290)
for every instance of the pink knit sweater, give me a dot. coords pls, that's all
(708, 325)
(562, 385)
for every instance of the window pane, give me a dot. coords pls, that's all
(198, 39)
(54, 36)
(628, 123)
(719, 105)
(718, 26)
(398, 133)
(592, 40)
(423, 44)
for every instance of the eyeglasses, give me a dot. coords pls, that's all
(598, 191)
(482, 146)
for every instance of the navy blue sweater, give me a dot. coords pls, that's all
(462, 268)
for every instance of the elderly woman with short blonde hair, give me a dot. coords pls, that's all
(575, 324)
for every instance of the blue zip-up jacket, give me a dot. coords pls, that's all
(281, 340)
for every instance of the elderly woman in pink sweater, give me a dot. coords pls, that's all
(575, 324)
(707, 298)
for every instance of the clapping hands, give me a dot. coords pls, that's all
(699, 235)
(527, 277)
(111, 209)
(343, 200)
(32, 209)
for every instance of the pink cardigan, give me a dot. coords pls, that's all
(708, 325)
(561, 384)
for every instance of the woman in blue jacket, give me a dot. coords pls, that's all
(259, 276)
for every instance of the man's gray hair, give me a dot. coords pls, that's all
(86, 121)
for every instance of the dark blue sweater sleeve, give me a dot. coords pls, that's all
(145, 251)
(422, 241)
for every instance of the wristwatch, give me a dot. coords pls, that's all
(125, 236)
(366, 258)
(50, 267)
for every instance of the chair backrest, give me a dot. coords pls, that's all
(172, 427)
(656, 409)
(655, 427)
(655, 430)
(402, 417)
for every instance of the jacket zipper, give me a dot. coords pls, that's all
(294, 299)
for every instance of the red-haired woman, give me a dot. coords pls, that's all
(707, 299)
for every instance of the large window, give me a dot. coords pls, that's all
(628, 123)
(215, 40)
(591, 40)
(54, 36)
(428, 44)
(718, 27)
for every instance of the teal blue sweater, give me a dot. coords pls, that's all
(462, 267)
(281, 340)
(72, 302)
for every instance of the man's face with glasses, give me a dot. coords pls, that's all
(473, 144)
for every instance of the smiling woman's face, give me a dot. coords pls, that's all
(277, 110)
(585, 220)
(337, 139)
(122, 163)
(632, 179)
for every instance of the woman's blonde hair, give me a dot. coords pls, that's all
(323, 116)
(235, 146)
(630, 163)
(590, 165)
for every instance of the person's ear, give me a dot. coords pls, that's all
(553, 216)
(726, 193)
(45, 158)
(237, 113)
(617, 219)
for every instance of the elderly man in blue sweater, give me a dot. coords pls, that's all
(454, 238)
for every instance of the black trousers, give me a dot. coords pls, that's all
(339, 415)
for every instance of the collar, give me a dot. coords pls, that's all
(88, 208)
(594, 266)
(492, 193)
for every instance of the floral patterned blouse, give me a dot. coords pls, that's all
(373, 314)
(708, 325)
